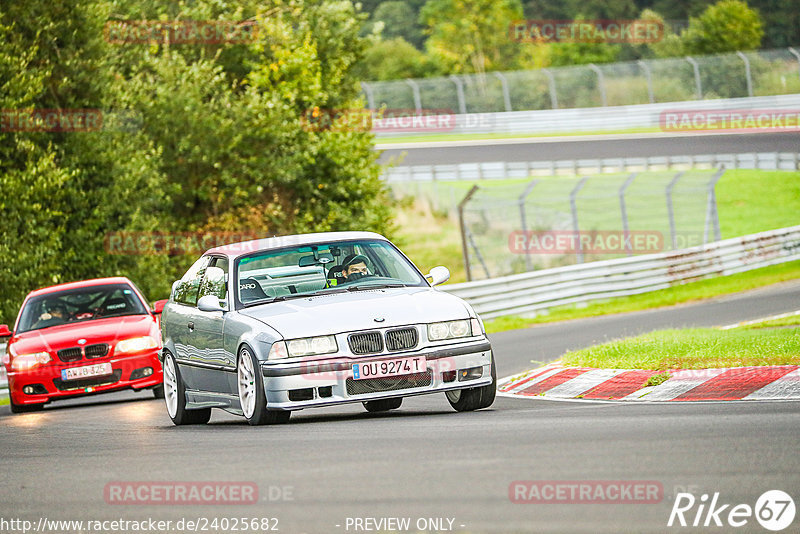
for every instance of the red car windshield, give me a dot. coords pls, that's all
(80, 305)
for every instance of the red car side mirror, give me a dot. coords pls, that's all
(4, 331)
(158, 306)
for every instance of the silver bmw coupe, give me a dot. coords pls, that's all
(265, 327)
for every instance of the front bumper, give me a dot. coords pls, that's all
(48, 386)
(297, 385)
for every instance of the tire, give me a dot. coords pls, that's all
(23, 408)
(158, 391)
(252, 398)
(383, 405)
(175, 397)
(468, 400)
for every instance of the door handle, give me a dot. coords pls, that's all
(191, 325)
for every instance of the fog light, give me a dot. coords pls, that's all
(28, 390)
(141, 373)
(470, 374)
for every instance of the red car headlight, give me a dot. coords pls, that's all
(24, 362)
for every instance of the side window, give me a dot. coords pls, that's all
(215, 280)
(186, 292)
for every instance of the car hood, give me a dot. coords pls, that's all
(346, 312)
(108, 330)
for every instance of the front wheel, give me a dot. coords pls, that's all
(175, 397)
(467, 400)
(252, 397)
(22, 408)
(158, 391)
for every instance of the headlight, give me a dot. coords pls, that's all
(278, 351)
(311, 346)
(136, 344)
(449, 330)
(23, 362)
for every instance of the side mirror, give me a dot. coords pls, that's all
(4, 331)
(438, 275)
(158, 306)
(209, 303)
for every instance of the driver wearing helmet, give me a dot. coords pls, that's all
(354, 267)
(56, 314)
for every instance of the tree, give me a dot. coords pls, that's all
(394, 59)
(727, 26)
(399, 19)
(471, 35)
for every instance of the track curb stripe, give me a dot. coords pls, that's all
(555, 381)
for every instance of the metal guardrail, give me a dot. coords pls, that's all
(3, 377)
(501, 170)
(594, 119)
(534, 292)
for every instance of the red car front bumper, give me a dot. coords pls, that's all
(44, 384)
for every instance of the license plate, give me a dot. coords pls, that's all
(398, 367)
(74, 373)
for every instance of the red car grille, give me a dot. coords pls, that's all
(73, 354)
(70, 355)
(96, 351)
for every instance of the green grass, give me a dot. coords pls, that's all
(696, 348)
(776, 323)
(751, 201)
(694, 291)
(4, 401)
(444, 137)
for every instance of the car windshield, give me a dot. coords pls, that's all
(323, 268)
(80, 305)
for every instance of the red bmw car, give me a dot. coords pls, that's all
(82, 338)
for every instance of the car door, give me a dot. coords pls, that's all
(179, 323)
(212, 362)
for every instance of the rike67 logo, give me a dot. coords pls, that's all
(774, 510)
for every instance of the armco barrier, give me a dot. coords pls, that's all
(533, 292)
(3, 377)
(502, 170)
(599, 119)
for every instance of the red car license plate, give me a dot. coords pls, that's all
(74, 373)
(398, 367)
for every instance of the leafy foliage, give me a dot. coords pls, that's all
(218, 140)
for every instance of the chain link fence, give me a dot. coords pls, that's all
(735, 75)
(555, 221)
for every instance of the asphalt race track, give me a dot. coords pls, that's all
(565, 148)
(423, 461)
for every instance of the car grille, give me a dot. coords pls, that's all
(365, 343)
(96, 351)
(401, 339)
(67, 385)
(72, 354)
(375, 385)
